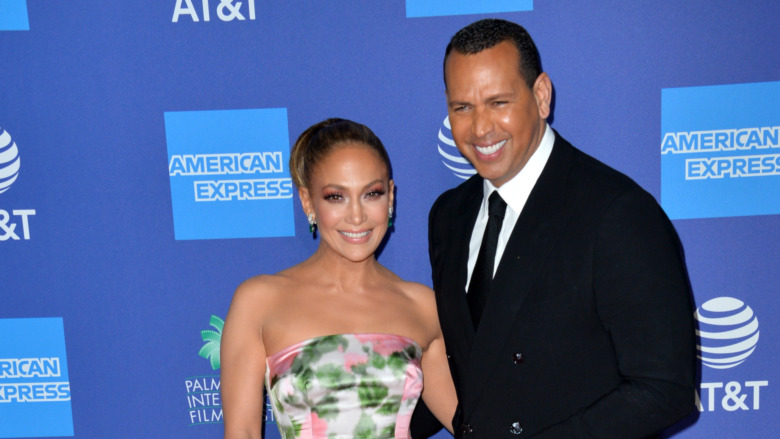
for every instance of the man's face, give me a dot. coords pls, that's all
(497, 121)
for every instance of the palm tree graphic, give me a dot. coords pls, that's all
(210, 349)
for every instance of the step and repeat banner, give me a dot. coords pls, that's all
(143, 176)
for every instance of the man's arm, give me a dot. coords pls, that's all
(644, 300)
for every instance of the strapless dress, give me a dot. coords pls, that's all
(345, 386)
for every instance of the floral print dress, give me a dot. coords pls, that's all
(362, 386)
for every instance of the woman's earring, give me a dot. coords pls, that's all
(390, 216)
(312, 222)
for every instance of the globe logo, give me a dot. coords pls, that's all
(450, 155)
(9, 161)
(728, 332)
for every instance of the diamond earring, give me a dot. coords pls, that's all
(312, 222)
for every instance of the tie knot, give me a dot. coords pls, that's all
(496, 205)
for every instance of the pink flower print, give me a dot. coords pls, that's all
(279, 364)
(402, 422)
(317, 426)
(385, 344)
(367, 338)
(285, 387)
(351, 360)
(414, 382)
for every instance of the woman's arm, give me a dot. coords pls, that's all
(438, 388)
(242, 369)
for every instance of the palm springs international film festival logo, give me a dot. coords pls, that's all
(450, 155)
(228, 173)
(204, 403)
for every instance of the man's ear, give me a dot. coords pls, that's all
(543, 94)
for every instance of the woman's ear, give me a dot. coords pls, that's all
(303, 194)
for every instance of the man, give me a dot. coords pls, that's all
(585, 329)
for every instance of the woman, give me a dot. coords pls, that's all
(339, 340)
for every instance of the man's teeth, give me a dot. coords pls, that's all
(487, 150)
(355, 235)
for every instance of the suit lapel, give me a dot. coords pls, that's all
(532, 239)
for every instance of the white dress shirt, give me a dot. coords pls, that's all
(515, 193)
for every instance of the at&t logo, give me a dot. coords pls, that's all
(8, 225)
(728, 330)
(450, 155)
(9, 161)
(728, 333)
(227, 10)
(14, 224)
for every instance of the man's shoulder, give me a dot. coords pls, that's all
(590, 174)
(459, 196)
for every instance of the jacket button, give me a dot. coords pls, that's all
(518, 358)
(516, 428)
(466, 428)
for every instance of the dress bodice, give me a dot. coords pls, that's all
(345, 386)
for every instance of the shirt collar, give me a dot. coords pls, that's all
(516, 191)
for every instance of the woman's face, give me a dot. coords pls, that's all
(349, 193)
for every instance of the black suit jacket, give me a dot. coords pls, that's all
(588, 330)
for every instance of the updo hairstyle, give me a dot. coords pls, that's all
(320, 139)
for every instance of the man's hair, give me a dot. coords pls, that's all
(484, 34)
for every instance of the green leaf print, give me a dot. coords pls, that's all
(293, 400)
(327, 407)
(397, 363)
(391, 406)
(334, 377)
(388, 431)
(365, 428)
(291, 430)
(316, 349)
(304, 379)
(371, 393)
(377, 361)
(360, 369)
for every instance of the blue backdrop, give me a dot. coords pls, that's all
(123, 234)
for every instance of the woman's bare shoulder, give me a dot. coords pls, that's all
(261, 290)
(416, 291)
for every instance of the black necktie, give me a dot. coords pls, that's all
(482, 276)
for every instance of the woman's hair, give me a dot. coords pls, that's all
(320, 139)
